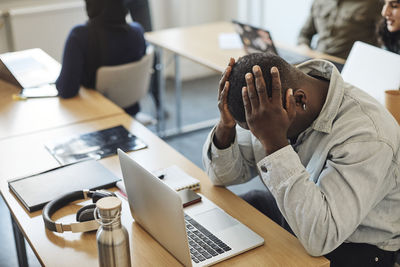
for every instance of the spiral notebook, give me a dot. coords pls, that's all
(174, 177)
(177, 179)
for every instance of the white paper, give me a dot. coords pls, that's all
(177, 179)
(229, 41)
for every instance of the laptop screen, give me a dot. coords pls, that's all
(372, 69)
(254, 39)
(31, 68)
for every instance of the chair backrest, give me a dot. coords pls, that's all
(126, 84)
(372, 69)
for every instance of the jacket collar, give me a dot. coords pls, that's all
(330, 109)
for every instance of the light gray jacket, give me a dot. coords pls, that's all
(340, 182)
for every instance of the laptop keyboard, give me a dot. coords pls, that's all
(203, 244)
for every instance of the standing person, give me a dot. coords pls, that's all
(140, 12)
(339, 23)
(328, 153)
(105, 40)
(389, 27)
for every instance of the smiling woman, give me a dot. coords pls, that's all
(389, 28)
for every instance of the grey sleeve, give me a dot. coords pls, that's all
(324, 214)
(232, 165)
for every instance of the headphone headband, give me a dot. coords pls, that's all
(63, 200)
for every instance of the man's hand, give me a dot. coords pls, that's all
(266, 117)
(225, 131)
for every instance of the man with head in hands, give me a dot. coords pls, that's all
(327, 152)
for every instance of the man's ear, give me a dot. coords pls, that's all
(300, 97)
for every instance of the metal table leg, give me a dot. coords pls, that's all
(161, 93)
(19, 244)
(178, 94)
(161, 125)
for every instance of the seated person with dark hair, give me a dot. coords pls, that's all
(105, 40)
(327, 152)
(389, 26)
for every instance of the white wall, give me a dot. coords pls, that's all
(283, 19)
(175, 13)
(43, 24)
(3, 35)
(46, 27)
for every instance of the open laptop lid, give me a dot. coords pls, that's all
(156, 207)
(29, 68)
(254, 39)
(7, 76)
(372, 69)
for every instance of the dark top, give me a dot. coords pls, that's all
(140, 12)
(122, 47)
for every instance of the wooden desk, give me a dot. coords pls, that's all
(79, 249)
(200, 44)
(31, 115)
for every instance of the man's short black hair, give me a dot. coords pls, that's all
(244, 65)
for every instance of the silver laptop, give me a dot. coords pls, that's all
(32, 70)
(372, 69)
(198, 235)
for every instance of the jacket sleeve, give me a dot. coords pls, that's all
(233, 165)
(324, 214)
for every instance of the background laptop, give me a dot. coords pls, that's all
(372, 69)
(201, 234)
(32, 70)
(259, 40)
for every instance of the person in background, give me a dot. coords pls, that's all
(105, 40)
(327, 152)
(339, 23)
(140, 12)
(389, 27)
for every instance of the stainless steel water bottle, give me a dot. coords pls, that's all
(112, 237)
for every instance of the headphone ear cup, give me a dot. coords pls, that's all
(101, 193)
(85, 213)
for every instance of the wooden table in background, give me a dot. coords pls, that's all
(37, 114)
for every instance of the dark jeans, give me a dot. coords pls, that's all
(360, 255)
(346, 255)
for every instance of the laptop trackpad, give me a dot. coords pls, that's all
(215, 220)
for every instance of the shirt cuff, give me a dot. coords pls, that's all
(279, 166)
(232, 150)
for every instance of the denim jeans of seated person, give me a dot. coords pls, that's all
(346, 255)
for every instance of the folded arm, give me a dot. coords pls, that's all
(232, 165)
(324, 214)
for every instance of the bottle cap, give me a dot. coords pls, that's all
(108, 203)
(109, 209)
